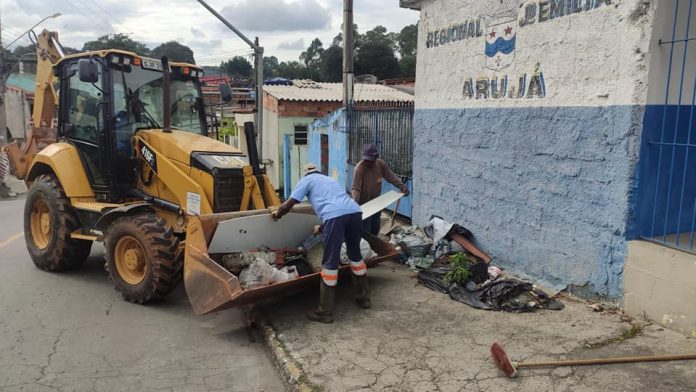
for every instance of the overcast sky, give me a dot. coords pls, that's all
(285, 27)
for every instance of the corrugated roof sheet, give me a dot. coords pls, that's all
(303, 90)
(24, 82)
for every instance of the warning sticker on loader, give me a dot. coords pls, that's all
(193, 203)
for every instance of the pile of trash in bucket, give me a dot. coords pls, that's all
(264, 266)
(448, 261)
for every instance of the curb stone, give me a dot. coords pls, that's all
(291, 372)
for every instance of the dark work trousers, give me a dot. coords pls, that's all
(346, 228)
(371, 224)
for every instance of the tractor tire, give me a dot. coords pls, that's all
(142, 257)
(49, 219)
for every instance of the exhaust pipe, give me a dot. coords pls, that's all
(251, 146)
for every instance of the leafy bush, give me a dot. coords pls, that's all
(460, 272)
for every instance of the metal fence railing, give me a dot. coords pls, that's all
(671, 142)
(390, 129)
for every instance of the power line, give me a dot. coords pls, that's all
(85, 15)
(212, 62)
(12, 30)
(17, 39)
(97, 15)
(226, 54)
(108, 14)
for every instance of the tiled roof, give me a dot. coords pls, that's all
(303, 90)
(24, 82)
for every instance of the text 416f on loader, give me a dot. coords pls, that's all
(129, 164)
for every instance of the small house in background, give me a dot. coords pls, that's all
(336, 143)
(19, 103)
(290, 109)
(227, 119)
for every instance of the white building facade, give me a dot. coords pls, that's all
(559, 133)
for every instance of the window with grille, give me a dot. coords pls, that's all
(300, 135)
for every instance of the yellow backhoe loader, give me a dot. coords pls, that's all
(129, 164)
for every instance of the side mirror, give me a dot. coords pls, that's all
(88, 70)
(225, 93)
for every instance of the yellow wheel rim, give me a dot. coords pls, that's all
(130, 260)
(41, 224)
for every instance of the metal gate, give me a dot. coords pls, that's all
(668, 178)
(390, 129)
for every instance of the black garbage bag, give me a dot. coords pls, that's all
(509, 295)
(479, 272)
(434, 278)
(492, 296)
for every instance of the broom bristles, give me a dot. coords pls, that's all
(501, 360)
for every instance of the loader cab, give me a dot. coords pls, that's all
(106, 97)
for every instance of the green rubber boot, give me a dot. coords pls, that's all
(324, 312)
(362, 291)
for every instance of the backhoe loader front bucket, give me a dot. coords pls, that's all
(212, 288)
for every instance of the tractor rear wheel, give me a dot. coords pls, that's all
(49, 219)
(142, 257)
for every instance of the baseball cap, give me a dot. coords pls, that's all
(370, 153)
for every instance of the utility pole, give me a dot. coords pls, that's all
(347, 53)
(258, 55)
(3, 114)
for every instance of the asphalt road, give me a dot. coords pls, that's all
(73, 332)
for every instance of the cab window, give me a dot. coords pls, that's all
(84, 117)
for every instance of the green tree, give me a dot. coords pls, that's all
(294, 70)
(21, 50)
(377, 59)
(338, 39)
(174, 51)
(237, 67)
(408, 66)
(408, 44)
(117, 41)
(379, 35)
(312, 56)
(408, 41)
(270, 67)
(331, 64)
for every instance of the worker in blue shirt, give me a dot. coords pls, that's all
(341, 219)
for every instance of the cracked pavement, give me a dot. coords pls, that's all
(73, 332)
(414, 339)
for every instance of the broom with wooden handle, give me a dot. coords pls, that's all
(510, 368)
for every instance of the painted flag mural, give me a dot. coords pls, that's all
(501, 36)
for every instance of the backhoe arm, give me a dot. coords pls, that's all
(48, 52)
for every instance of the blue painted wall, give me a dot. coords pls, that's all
(334, 125)
(663, 184)
(545, 189)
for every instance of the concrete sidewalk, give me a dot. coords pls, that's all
(414, 339)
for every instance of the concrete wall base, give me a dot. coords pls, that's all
(659, 283)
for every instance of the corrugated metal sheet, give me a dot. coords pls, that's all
(333, 92)
(23, 82)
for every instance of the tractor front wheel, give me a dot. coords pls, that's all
(49, 220)
(142, 257)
